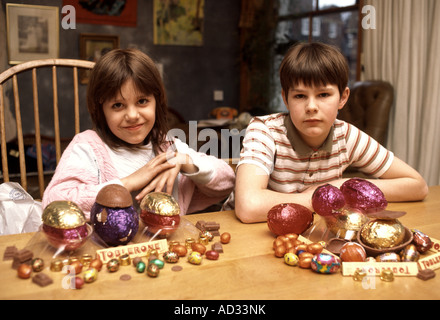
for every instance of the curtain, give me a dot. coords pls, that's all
(404, 49)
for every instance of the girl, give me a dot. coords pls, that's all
(129, 144)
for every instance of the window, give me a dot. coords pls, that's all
(330, 21)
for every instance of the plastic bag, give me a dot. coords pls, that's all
(19, 212)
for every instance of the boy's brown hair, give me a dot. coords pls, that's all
(111, 71)
(313, 64)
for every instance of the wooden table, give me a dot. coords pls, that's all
(246, 270)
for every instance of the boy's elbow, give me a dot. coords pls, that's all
(246, 212)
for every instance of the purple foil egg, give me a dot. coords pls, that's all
(115, 226)
(363, 195)
(327, 200)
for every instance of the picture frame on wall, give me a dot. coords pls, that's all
(92, 47)
(32, 32)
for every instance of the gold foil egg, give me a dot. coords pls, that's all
(63, 215)
(160, 203)
(382, 234)
(346, 224)
(161, 213)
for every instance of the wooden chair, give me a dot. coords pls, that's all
(11, 76)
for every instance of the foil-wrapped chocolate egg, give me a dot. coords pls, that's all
(422, 242)
(327, 200)
(347, 223)
(291, 259)
(325, 263)
(382, 234)
(161, 213)
(170, 257)
(363, 195)
(64, 225)
(287, 218)
(410, 254)
(195, 258)
(113, 216)
(352, 252)
(388, 257)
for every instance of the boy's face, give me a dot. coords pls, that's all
(313, 110)
(131, 114)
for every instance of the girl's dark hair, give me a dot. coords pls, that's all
(111, 71)
(313, 64)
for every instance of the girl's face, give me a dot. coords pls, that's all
(313, 110)
(131, 114)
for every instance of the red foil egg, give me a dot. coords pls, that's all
(328, 200)
(363, 195)
(289, 218)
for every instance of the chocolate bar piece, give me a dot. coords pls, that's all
(42, 279)
(426, 274)
(22, 256)
(10, 253)
(217, 246)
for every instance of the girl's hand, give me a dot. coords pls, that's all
(147, 173)
(164, 180)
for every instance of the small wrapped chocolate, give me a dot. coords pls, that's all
(113, 216)
(422, 242)
(64, 225)
(409, 254)
(161, 213)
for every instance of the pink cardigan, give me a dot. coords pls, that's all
(74, 183)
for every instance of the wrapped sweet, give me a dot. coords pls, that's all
(347, 223)
(325, 263)
(327, 200)
(422, 242)
(113, 216)
(352, 252)
(289, 218)
(64, 225)
(161, 213)
(363, 195)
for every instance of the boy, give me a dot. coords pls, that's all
(286, 156)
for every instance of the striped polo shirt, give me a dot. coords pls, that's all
(273, 143)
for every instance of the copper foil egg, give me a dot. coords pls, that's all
(352, 252)
(289, 218)
(64, 225)
(161, 213)
(382, 234)
(364, 195)
(327, 200)
(113, 216)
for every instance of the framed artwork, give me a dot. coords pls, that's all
(32, 32)
(93, 46)
(178, 22)
(110, 12)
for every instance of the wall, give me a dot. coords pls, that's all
(191, 74)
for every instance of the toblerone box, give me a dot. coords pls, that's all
(133, 250)
(375, 268)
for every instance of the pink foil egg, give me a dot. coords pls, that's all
(363, 195)
(327, 200)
